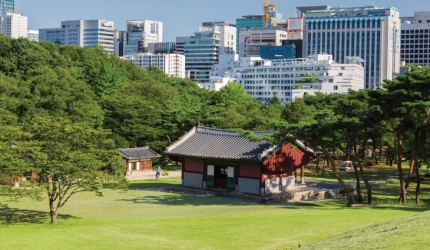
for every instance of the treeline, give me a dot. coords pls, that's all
(395, 120)
(140, 107)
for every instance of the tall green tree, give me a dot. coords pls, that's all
(60, 159)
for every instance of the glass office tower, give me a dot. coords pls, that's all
(370, 33)
(7, 6)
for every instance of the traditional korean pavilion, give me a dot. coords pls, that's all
(222, 159)
(138, 159)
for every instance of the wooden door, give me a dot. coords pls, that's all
(146, 166)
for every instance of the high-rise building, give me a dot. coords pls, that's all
(250, 22)
(415, 46)
(181, 41)
(251, 41)
(118, 42)
(14, 25)
(83, 33)
(139, 33)
(7, 6)
(370, 33)
(202, 51)
(33, 35)
(171, 64)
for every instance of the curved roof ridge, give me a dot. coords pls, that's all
(192, 131)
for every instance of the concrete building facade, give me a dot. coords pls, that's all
(171, 64)
(369, 32)
(83, 33)
(415, 37)
(292, 78)
(33, 35)
(14, 25)
(251, 41)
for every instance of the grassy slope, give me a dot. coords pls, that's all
(153, 220)
(409, 232)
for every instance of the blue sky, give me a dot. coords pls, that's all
(180, 17)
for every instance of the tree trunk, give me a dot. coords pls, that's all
(318, 163)
(417, 190)
(400, 170)
(52, 212)
(357, 178)
(374, 152)
(380, 152)
(366, 182)
(339, 179)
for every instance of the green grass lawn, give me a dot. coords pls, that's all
(145, 184)
(408, 232)
(142, 219)
(153, 220)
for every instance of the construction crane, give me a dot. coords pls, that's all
(267, 4)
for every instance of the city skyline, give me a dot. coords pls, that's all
(190, 12)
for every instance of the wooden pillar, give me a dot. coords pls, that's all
(205, 174)
(302, 175)
(262, 184)
(183, 168)
(236, 175)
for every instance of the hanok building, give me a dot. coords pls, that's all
(138, 159)
(216, 158)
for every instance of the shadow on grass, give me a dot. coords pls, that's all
(178, 199)
(10, 216)
(153, 183)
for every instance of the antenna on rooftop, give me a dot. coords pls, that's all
(338, 5)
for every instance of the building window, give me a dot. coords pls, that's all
(335, 87)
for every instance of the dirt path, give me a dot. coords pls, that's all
(151, 175)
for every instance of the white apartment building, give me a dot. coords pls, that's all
(14, 25)
(139, 33)
(369, 32)
(83, 33)
(415, 46)
(202, 51)
(250, 41)
(171, 64)
(33, 35)
(219, 75)
(292, 78)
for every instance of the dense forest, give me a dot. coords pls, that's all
(77, 92)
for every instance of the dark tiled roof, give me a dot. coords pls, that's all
(218, 144)
(138, 153)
